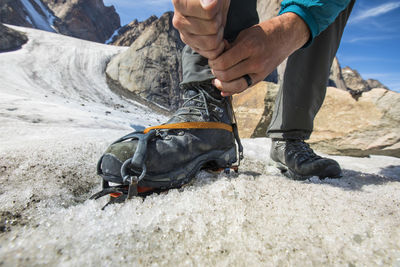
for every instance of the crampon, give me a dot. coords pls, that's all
(142, 173)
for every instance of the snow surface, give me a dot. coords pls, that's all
(57, 116)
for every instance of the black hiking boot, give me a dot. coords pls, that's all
(201, 134)
(296, 160)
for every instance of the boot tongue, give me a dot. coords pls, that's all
(201, 96)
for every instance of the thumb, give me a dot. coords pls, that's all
(207, 3)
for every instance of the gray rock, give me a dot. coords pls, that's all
(12, 12)
(344, 126)
(335, 77)
(11, 39)
(130, 32)
(354, 81)
(375, 84)
(151, 67)
(86, 19)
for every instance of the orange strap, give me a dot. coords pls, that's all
(192, 125)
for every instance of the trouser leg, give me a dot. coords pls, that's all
(241, 15)
(303, 89)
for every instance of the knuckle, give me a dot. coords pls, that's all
(256, 66)
(213, 55)
(176, 22)
(248, 44)
(209, 14)
(223, 76)
(214, 26)
(176, 3)
(183, 38)
(213, 43)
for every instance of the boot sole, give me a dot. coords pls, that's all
(288, 172)
(177, 178)
(294, 176)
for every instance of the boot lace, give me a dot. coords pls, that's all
(197, 105)
(301, 151)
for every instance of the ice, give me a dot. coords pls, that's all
(54, 127)
(39, 21)
(50, 17)
(112, 36)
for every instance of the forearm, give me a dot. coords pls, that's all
(290, 30)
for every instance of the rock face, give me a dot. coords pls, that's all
(85, 19)
(130, 32)
(11, 39)
(345, 126)
(336, 77)
(354, 81)
(151, 67)
(12, 12)
(375, 84)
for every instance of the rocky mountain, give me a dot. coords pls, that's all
(85, 19)
(11, 39)
(13, 12)
(151, 67)
(127, 34)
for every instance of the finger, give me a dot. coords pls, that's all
(244, 67)
(236, 86)
(232, 87)
(203, 42)
(230, 57)
(212, 54)
(197, 26)
(203, 9)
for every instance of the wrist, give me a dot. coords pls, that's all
(290, 29)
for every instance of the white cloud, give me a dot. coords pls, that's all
(375, 11)
(369, 38)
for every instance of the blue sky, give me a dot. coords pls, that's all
(370, 44)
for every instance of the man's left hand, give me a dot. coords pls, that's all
(257, 51)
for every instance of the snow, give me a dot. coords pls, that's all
(55, 123)
(39, 21)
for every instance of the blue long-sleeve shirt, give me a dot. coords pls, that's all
(318, 14)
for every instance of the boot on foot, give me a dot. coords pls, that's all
(296, 160)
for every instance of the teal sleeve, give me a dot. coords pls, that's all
(318, 14)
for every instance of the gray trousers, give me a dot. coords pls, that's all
(303, 88)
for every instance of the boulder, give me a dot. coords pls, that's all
(369, 125)
(151, 67)
(344, 125)
(11, 39)
(253, 109)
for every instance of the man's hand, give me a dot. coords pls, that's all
(201, 24)
(257, 51)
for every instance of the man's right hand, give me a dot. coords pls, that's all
(201, 24)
